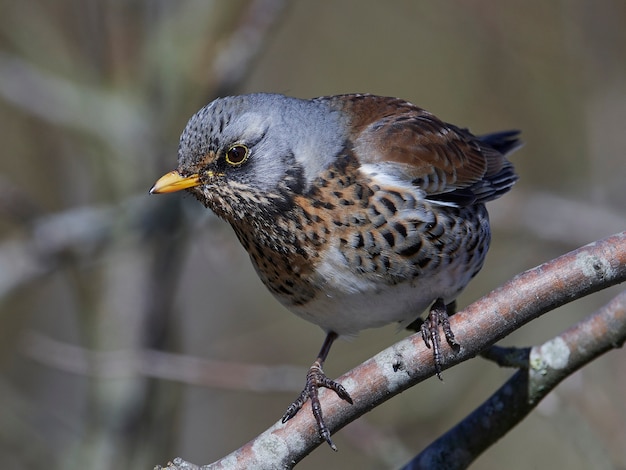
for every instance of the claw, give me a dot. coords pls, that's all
(315, 379)
(437, 316)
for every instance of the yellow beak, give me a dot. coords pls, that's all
(173, 181)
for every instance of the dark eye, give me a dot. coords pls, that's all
(237, 154)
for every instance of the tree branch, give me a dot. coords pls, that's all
(547, 365)
(527, 296)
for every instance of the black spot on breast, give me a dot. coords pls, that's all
(400, 228)
(302, 252)
(412, 249)
(390, 238)
(306, 216)
(388, 203)
(359, 241)
(358, 191)
(323, 204)
(342, 183)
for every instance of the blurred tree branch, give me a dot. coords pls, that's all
(161, 365)
(527, 296)
(242, 47)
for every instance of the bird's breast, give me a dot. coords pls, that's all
(354, 254)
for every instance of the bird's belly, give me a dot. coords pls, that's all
(346, 302)
(348, 313)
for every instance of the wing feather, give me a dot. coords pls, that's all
(448, 163)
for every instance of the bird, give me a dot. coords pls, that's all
(356, 210)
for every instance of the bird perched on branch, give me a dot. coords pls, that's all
(356, 210)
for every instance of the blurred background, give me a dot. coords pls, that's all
(133, 328)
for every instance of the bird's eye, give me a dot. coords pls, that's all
(237, 155)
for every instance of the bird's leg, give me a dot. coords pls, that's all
(315, 379)
(439, 315)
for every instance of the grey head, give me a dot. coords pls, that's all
(258, 143)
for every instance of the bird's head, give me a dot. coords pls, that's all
(244, 154)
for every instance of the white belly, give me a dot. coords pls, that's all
(348, 303)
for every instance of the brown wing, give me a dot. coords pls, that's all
(447, 162)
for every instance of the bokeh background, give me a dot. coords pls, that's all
(133, 328)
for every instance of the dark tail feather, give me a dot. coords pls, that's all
(504, 142)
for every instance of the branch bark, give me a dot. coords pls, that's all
(547, 365)
(527, 296)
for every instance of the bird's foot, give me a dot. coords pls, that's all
(315, 379)
(438, 316)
